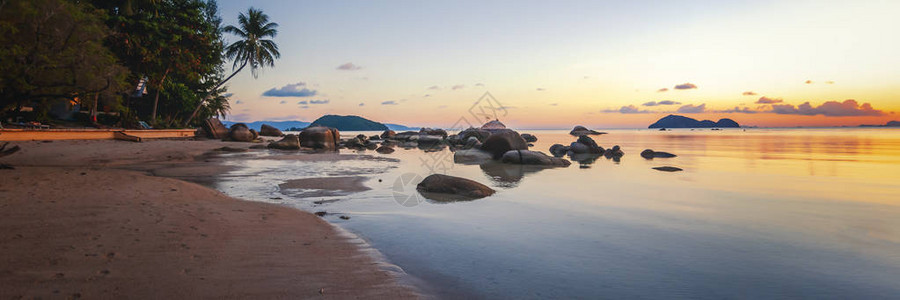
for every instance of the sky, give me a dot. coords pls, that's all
(556, 64)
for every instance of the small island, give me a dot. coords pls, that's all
(676, 121)
(349, 123)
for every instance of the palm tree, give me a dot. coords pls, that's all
(252, 49)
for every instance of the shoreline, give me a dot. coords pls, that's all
(78, 223)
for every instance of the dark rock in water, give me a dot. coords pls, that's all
(529, 137)
(584, 158)
(527, 157)
(406, 136)
(498, 143)
(471, 156)
(345, 217)
(260, 146)
(650, 154)
(668, 169)
(429, 139)
(240, 133)
(321, 213)
(318, 137)
(388, 134)
(289, 142)
(363, 138)
(479, 134)
(676, 121)
(232, 149)
(444, 184)
(614, 152)
(371, 146)
(384, 150)
(428, 131)
(375, 138)
(581, 130)
(558, 150)
(266, 130)
(585, 144)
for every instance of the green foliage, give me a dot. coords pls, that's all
(53, 51)
(252, 47)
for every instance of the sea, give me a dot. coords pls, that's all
(755, 214)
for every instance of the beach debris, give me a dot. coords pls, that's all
(289, 142)
(527, 157)
(668, 169)
(10, 151)
(268, 130)
(650, 154)
(581, 130)
(445, 184)
(345, 217)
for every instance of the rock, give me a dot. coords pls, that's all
(321, 213)
(429, 139)
(385, 150)
(502, 141)
(428, 131)
(289, 142)
(676, 121)
(259, 147)
(231, 149)
(471, 156)
(406, 136)
(614, 152)
(650, 154)
(585, 144)
(493, 125)
(363, 138)
(388, 134)
(581, 130)
(375, 138)
(558, 150)
(240, 133)
(266, 130)
(344, 217)
(320, 138)
(214, 129)
(371, 146)
(255, 134)
(527, 157)
(479, 134)
(668, 169)
(529, 138)
(444, 184)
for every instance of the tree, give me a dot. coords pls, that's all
(251, 49)
(53, 50)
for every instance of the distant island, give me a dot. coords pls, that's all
(349, 123)
(281, 125)
(888, 124)
(676, 121)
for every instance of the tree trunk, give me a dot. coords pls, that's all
(94, 109)
(199, 105)
(156, 98)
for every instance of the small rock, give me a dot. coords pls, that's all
(668, 169)
(345, 218)
(321, 213)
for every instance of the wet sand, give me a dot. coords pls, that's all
(88, 219)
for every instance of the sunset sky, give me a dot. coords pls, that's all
(555, 64)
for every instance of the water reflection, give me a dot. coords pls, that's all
(508, 175)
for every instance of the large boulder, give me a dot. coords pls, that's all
(320, 137)
(471, 156)
(239, 132)
(214, 129)
(585, 144)
(502, 141)
(430, 131)
(650, 154)
(388, 134)
(289, 142)
(444, 184)
(581, 130)
(527, 157)
(267, 130)
(558, 150)
(529, 137)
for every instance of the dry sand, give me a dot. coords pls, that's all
(82, 219)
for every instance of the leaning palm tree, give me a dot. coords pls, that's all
(252, 49)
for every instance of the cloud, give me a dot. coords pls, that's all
(282, 102)
(540, 89)
(319, 101)
(829, 109)
(304, 107)
(767, 100)
(426, 95)
(349, 67)
(809, 82)
(291, 90)
(631, 109)
(692, 109)
(685, 86)
(434, 87)
(554, 104)
(662, 90)
(749, 93)
(304, 102)
(664, 102)
(389, 102)
(362, 104)
(238, 102)
(738, 110)
(457, 87)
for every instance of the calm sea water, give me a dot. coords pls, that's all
(761, 213)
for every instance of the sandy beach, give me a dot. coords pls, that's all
(88, 219)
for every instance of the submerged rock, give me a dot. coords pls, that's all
(581, 130)
(614, 152)
(527, 157)
(558, 150)
(232, 149)
(668, 169)
(471, 156)
(385, 150)
(444, 184)
(650, 154)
